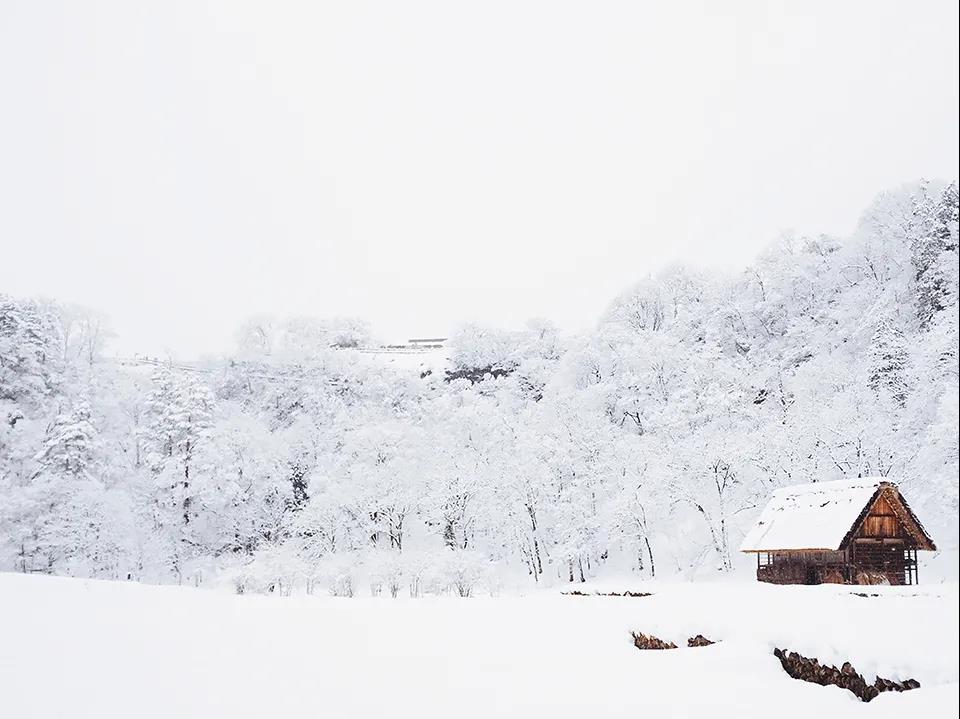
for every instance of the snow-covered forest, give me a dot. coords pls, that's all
(646, 445)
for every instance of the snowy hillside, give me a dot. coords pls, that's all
(102, 650)
(313, 456)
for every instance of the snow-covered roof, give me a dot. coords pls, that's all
(810, 516)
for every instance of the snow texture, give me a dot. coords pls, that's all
(86, 648)
(810, 516)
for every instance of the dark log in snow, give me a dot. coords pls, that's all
(811, 670)
(648, 641)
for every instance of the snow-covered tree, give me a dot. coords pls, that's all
(646, 444)
(888, 371)
(935, 253)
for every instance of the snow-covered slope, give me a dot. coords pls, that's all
(77, 648)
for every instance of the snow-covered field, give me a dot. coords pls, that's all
(77, 648)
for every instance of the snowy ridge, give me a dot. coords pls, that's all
(810, 516)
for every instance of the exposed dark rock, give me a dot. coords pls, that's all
(477, 374)
(699, 641)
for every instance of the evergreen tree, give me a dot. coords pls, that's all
(30, 352)
(179, 416)
(888, 362)
(158, 430)
(192, 421)
(65, 469)
(69, 447)
(934, 254)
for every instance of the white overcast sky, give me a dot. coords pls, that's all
(183, 165)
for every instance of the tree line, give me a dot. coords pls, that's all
(645, 445)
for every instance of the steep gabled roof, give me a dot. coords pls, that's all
(825, 515)
(904, 514)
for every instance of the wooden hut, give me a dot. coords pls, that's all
(858, 531)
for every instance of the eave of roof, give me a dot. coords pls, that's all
(797, 510)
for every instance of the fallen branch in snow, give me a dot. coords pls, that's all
(811, 670)
(648, 641)
(644, 641)
(578, 593)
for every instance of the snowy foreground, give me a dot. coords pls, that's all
(76, 648)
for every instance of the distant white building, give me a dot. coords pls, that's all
(421, 354)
